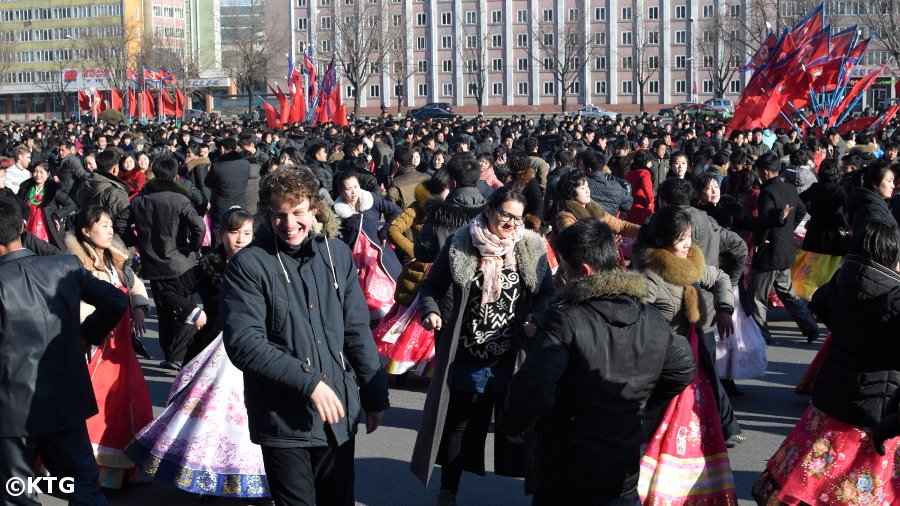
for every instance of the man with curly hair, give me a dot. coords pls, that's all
(295, 322)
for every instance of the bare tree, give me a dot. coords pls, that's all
(364, 39)
(8, 46)
(252, 41)
(401, 67)
(563, 49)
(645, 53)
(59, 86)
(473, 54)
(116, 53)
(883, 17)
(721, 49)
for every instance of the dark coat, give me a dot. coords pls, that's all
(105, 189)
(227, 183)
(774, 238)
(825, 205)
(861, 307)
(323, 173)
(56, 206)
(169, 230)
(366, 220)
(453, 272)
(611, 192)
(601, 358)
(257, 161)
(720, 246)
(443, 218)
(864, 205)
(527, 183)
(70, 171)
(44, 381)
(287, 327)
(197, 170)
(403, 186)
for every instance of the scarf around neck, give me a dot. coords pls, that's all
(496, 254)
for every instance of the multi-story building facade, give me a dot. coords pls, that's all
(533, 54)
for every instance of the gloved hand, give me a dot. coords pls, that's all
(887, 428)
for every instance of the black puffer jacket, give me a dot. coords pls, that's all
(602, 357)
(611, 192)
(864, 205)
(444, 218)
(861, 307)
(825, 204)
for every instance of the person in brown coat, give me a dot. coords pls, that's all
(576, 205)
(403, 186)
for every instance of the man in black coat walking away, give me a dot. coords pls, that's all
(780, 211)
(227, 182)
(602, 358)
(46, 392)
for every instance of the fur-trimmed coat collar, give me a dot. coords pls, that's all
(531, 258)
(519, 180)
(343, 210)
(91, 258)
(422, 193)
(592, 210)
(197, 161)
(674, 270)
(602, 284)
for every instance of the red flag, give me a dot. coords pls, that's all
(130, 75)
(825, 77)
(168, 77)
(860, 87)
(166, 104)
(805, 29)
(857, 125)
(179, 103)
(99, 102)
(115, 100)
(340, 118)
(132, 102)
(272, 118)
(762, 54)
(840, 43)
(887, 117)
(298, 104)
(148, 105)
(84, 101)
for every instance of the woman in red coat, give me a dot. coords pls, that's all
(641, 187)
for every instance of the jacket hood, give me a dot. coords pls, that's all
(863, 280)
(674, 270)
(327, 223)
(160, 185)
(612, 283)
(520, 180)
(863, 196)
(864, 150)
(343, 210)
(89, 256)
(197, 161)
(230, 157)
(531, 258)
(466, 197)
(421, 192)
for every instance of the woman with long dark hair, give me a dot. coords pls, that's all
(47, 205)
(499, 282)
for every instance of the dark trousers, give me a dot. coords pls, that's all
(465, 435)
(756, 304)
(310, 476)
(174, 335)
(66, 454)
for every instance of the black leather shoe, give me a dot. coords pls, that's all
(812, 336)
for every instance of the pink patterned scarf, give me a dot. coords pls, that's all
(496, 254)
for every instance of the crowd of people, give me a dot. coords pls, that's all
(588, 290)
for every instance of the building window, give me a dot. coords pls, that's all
(497, 88)
(521, 16)
(680, 87)
(471, 89)
(627, 62)
(522, 87)
(680, 62)
(707, 62)
(522, 64)
(600, 38)
(446, 42)
(301, 3)
(653, 62)
(573, 14)
(471, 41)
(446, 18)
(497, 64)
(496, 40)
(600, 14)
(471, 17)
(326, 46)
(447, 66)
(375, 91)
(627, 88)
(734, 86)
(548, 39)
(548, 87)
(396, 20)
(548, 63)
(548, 15)
(575, 88)
(522, 40)
(422, 66)
(600, 63)
(421, 18)
(653, 12)
(301, 24)
(326, 22)
(707, 86)
(496, 17)
(707, 36)
(420, 43)
(680, 12)
(653, 37)
(600, 87)
(708, 11)
(680, 36)
(735, 11)
(626, 38)
(422, 90)
(447, 89)
(626, 13)
(653, 87)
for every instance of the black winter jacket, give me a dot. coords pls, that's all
(774, 238)
(105, 189)
(611, 192)
(227, 182)
(861, 307)
(287, 327)
(864, 205)
(825, 205)
(443, 218)
(56, 206)
(601, 358)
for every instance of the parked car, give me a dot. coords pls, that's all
(592, 111)
(702, 110)
(439, 105)
(721, 104)
(430, 111)
(195, 114)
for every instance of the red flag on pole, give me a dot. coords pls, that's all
(272, 118)
(179, 103)
(99, 103)
(132, 102)
(860, 87)
(166, 104)
(115, 100)
(84, 101)
(857, 125)
(148, 105)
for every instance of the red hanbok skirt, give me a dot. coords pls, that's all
(403, 343)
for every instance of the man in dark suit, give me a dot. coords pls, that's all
(46, 393)
(780, 211)
(227, 182)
